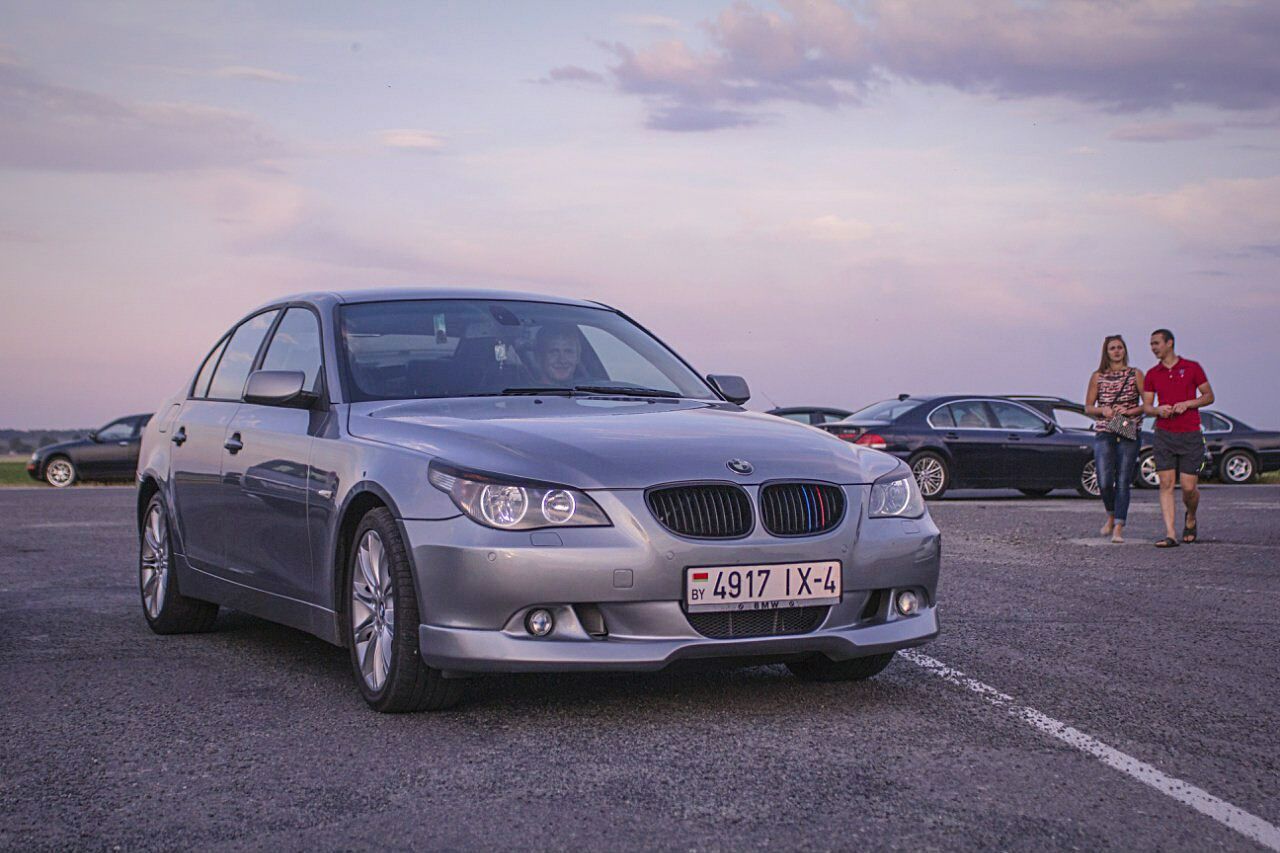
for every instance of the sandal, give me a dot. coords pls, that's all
(1167, 542)
(1189, 533)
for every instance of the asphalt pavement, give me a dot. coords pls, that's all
(1082, 695)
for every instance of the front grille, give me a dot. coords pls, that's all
(800, 509)
(709, 511)
(731, 624)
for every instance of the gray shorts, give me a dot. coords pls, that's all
(1179, 451)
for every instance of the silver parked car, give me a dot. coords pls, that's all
(459, 482)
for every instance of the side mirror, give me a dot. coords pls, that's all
(277, 388)
(93, 435)
(732, 388)
(1050, 428)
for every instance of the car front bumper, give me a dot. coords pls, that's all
(475, 586)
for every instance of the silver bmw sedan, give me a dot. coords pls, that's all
(451, 482)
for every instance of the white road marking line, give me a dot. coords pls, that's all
(1232, 817)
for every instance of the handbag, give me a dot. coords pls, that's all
(1123, 426)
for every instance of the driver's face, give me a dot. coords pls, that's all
(559, 359)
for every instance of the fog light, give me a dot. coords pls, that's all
(908, 603)
(539, 622)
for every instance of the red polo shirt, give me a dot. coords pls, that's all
(1176, 384)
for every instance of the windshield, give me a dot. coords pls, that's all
(414, 349)
(886, 410)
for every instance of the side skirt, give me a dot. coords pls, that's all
(302, 615)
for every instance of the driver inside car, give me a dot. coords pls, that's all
(556, 354)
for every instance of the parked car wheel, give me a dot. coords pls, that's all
(822, 668)
(1035, 493)
(382, 624)
(167, 610)
(1147, 476)
(932, 474)
(60, 472)
(1237, 467)
(1089, 481)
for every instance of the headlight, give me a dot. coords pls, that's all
(897, 496)
(516, 505)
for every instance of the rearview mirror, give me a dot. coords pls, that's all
(732, 388)
(278, 388)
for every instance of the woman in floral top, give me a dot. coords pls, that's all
(1115, 389)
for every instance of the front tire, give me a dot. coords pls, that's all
(932, 474)
(1088, 485)
(166, 609)
(822, 668)
(1237, 468)
(382, 624)
(60, 472)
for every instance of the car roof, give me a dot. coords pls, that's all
(392, 294)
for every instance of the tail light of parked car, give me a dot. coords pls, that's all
(870, 439)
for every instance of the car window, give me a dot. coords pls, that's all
(828, 417)
(799, 417)
(1214, 423)
(886, 410)
(116, 431)
(1012, 416)
(971, 414)
(201, 386)
(296, 346)
(237, 360)
(1072, 419)
(942, 418)
(428, 348)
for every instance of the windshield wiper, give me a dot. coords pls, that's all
(530, 391)
(625, 391)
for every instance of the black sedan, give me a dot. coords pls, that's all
(968, 441)
(1235, 452)
(109, 453)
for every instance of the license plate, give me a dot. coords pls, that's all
(768, 587)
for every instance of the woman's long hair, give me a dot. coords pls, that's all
(1106, 359)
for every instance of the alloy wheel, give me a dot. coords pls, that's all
(1089, 479)
(1147, 471)
(154, 569)
(929, 475)
(372, 609)
(59, 473)
(1239, 468)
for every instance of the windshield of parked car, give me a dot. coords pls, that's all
(415, 349)
(886, 410)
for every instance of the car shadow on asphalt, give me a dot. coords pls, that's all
(267, 649)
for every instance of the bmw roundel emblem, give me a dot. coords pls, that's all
(740, 466)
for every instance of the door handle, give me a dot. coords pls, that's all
(951, 436)
(179, 436)
(123, 443)
(1015, 438)
(234, 444)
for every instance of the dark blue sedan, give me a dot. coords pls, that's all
(969, 441)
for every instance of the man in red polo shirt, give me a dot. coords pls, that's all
(1182, 388)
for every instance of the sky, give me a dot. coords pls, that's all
(841, 201)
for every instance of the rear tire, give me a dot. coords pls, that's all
(1238, 468)
(822, 668)
(1035, 493)
(60, 472)
(1147, 477)
(1087, 485)
(166, 609)
(381, 624)
(932, 474)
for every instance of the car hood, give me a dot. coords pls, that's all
(62, 445)
(598, 443)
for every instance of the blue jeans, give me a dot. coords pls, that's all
(1115, 458)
